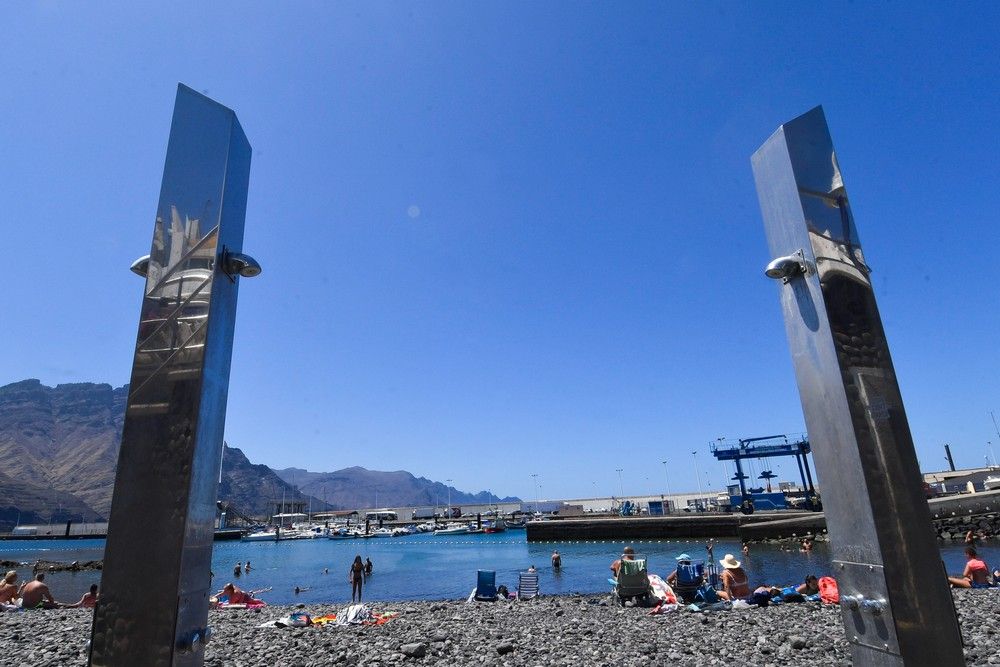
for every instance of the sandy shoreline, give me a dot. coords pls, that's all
(556, 631)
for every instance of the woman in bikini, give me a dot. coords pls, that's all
(735, 582)
(975, 575)
(356, 575)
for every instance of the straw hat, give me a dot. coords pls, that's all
(729, 562)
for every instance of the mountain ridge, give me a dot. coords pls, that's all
(60, 448)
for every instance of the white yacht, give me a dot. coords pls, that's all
(266, 535)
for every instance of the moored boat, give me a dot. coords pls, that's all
(266, 535)
(452, 530)
(495, 526)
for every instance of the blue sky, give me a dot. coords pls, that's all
(509, 238)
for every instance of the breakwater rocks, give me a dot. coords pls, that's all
(551, 631)
(957, 527)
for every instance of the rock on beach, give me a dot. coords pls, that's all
(506, 634)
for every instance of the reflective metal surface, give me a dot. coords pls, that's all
(153, 607)
(897, 607)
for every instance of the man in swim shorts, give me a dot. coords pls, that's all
(627, 554)
(36, 595)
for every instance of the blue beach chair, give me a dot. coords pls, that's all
(690, 578)
(486, 585)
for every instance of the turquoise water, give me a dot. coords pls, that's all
(428, 567)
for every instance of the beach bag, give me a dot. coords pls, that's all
(503, 592)
(828, 591)
(706, 594)
(791, 594)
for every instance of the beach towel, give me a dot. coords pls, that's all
(661, 590)
(295, 620)
(828, 591)
(253, 604)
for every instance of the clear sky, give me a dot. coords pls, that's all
(509, 238)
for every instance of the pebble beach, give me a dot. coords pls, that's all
(550, 631)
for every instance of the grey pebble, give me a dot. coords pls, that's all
(455, 634)
(416, 650)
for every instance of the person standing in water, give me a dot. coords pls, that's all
(356, 575)
(556, 560)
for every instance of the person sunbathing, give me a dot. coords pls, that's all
(234, 595)
(975, 575)
(810, 587)
(735, 582)
(8, 588)
(627, 554)
(89, 599)
(36, 595)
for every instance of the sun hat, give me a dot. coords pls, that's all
(729, 562)
(682, 557)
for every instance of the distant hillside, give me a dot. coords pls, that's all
(59, 447)
(356, 487)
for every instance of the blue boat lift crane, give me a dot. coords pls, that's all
(768, 447)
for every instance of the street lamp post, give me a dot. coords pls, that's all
(621, 487)
(534, 476)
(666, 479)
(989, 446)
(447, 511)
(697, 476)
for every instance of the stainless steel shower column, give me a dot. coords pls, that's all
(153, 607)
(895, 602)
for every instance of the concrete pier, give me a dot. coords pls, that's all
(756, 527)
(648, 527)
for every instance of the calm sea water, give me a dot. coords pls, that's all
(429, 567)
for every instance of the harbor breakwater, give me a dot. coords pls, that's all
(952, 517)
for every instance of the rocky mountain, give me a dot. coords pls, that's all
(59, 447)
(358, 487)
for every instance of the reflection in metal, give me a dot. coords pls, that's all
(153, 608)
(895, 601)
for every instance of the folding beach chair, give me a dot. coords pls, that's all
(486, 585)
(632, 580)
(690, 579)
(527, 585)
